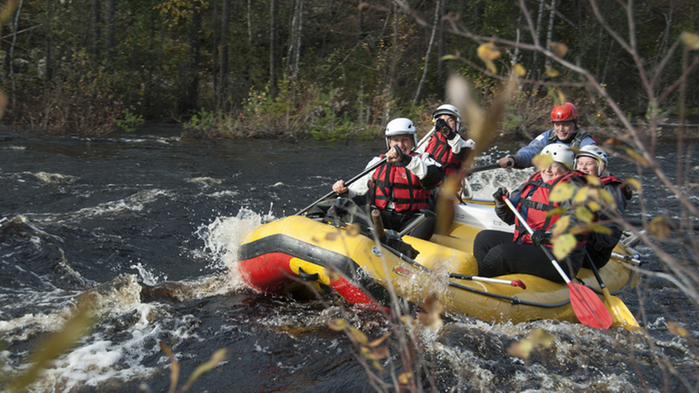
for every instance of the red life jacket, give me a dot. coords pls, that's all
(533, 204)
(440, 150)
(625, 188)
(391, 183)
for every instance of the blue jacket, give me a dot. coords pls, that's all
(523, 158)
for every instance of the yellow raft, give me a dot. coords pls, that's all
(337, 257)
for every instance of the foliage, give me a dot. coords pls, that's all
(129, 122)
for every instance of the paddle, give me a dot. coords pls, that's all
(586, 305)
(619, 311)
(482, 168)
(359, 176)
(514, 283)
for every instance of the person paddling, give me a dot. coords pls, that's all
(499, 253)
(401, 186)
(565, 131)
(592, 160)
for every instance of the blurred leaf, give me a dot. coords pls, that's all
(607, 198)
(448, 57)
(556, 211)
(541, 161)
(691, 40)
(521, 349)
(353, 229)
(7, 11)
(491, 66)
(561, 96)
(578, 229)
(3, 103)
(358, 336)
(338, 324)
(430, 313)
(584, 214)
(560, 226)
(332, 274)
(600, 229)
(658, 227)
(331, 236)
(488, 51)
(563, 245)
(381, 352)
(594, 206)
(519, 70)
(174, 366)
(614, 142)
(676, 329)
(633, 183)
(580, 196)
(593, 181)
(559, 49)
(404, 378)
(216, 358)
(378, 342)
(552, 72)
(639, 158)
(562, 192)
(540, 337)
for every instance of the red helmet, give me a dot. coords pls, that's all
(565, 112)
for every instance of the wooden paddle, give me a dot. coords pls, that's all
(586, 305)
(621, 314)
(359, 176)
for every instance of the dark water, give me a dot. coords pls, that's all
(149, 226)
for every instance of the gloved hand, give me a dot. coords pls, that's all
(499, 193)
(442, 126)
(506, 162)
(404, 158)
(541, 236)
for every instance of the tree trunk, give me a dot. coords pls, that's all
(437, 9)
(549, 36)
(441, 80)
(48, 68)
(96, 33)
(537, 37)
(388, 93)
(272, 48)
(223, 68)
(15, 23)
(294, 53)
(188, 100)
(110, 30)
(249, 20)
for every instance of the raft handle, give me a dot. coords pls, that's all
(307, 276)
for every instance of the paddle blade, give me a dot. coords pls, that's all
(620, 313)
(518, 283)
(588, 307)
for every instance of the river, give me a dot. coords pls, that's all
(148, 226)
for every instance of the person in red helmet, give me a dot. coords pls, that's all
(565, 130)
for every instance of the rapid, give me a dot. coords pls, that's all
(148, 225)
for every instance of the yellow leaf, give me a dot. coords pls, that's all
(658, 227)
(404, 378)
(540, 337)
(560, 226)
(562, 192)
(380, 353)
(690, 39)
(594, 206)
(358, 335)
(338, 324)
(633, 154)
(448, 57)
(593, 181)
(541, 161)
(563, 245)
(600, 229)
(556, 211)
(584, 215)
(676, 329)
(488, 52)
(607, 198)
(552, 72)
(332, 274)
(579, 229)
(521, 349)
(378, 342)
(561, 96)
(580, 196)
(519, 70)
(353, 229)
(559, 49)
(491, 66)
(633, 183)
(216, 358)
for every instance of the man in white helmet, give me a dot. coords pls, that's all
(401, 186)
(592, 160)
(499, 253)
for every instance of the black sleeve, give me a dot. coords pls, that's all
(432, 178)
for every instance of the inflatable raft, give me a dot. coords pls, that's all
(335, 250)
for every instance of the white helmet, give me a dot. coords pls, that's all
(451, 110)
(401, 126)
(560, 153)
(596, 152)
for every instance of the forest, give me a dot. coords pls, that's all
(333, 69)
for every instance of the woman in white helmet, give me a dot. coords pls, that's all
(401, 186)
(592, 160)
(499, 253)
(446, 146)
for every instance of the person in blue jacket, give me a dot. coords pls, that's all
(565, 130)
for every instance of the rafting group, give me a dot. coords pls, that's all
(400, 190)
